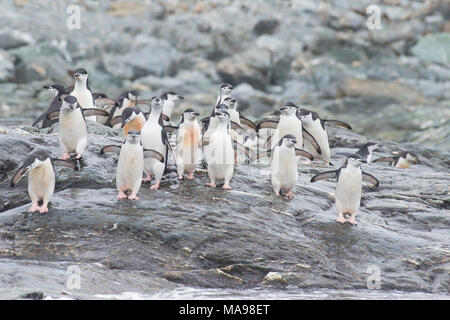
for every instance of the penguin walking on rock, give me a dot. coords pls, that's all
(348, 188)
(284, 162)
(154, 136)
(41, 177)
(316, 127)
(366, 151)
(131, 164)
(72, 126)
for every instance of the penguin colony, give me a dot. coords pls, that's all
(214, 141)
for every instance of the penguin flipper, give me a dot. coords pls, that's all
(95, 112)
(103, 102)
(165, 117)
(303, 153)
(203, 142)
(249, 123)
(235, 126)
(370, 178)
(149, 153)
(272, 124)
(110, 149)
(337, 123)
(39, 119)
(65, 163)
(325, 175)
(18, 175)
(310, 138)
(170, 129)
(115, 120)
(53, 115)
(384, 159)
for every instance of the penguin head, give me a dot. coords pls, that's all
(230, 102)
(55, 88)
(69, 103)
(133, 95)
(371, 146)
(80, 74)
(128, 114)
(36, 159)
(288, 141)
(190, 114)
(171, 96)
(133, 136)
(157, 102)
(222, 115)
(411, 157)
(304, 114)
(354, 161)
(289, 108)
(226, 88)
(221, 107)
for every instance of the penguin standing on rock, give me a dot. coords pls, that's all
(131, 164)
(289, 123)
(284, 174)
(187, 144)
(41, 177)
(224, 92)
(154, 137)
(348, 188)
(316, 127)
(58, 90)
(127, 99)
(72, 126)
(220, 153)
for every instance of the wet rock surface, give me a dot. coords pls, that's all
(188, 235)
(390, 84)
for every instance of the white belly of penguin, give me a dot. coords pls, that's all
(187, 149)
(348, 190)
(288, 125)
(321, 136)
(41, 181)
(284, 168)
(130, 166)
(72, 130)
(85, 100)
(220, 155)
(151, 139)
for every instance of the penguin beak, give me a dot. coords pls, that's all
(416, 160)
(196, 114)
(180, 97)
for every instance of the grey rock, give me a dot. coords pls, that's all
(6, 66)
(434, 48)
(11, 39)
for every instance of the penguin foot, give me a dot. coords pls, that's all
(121, 195)
(65, 156)
(289, 195)
(352, 221)
(43, 209)
(180, 177)
(133, 197)
(212, 184)
(227, 187)
(34, 207)
(341, 220)
(155, 186)
(190, 176)
(149, 178)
